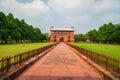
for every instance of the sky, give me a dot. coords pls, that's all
(83, 15)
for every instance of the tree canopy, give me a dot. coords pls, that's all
(15, 30)
(108, 33)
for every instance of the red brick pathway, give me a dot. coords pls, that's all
(61, 63)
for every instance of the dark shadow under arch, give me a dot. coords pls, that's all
(61, 39)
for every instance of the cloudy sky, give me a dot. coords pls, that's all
(84, 15)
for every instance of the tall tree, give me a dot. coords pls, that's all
(5, 30)
(37, 33)
(10, 25)
(16, 31)
(2, 26)
(116, 34)
(93, 35)
(81, 37)
(42, 37)
(13, 29)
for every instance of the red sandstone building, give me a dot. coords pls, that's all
(66, 35)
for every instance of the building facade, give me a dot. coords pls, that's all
(65, 35)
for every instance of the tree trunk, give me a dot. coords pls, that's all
(11, 41)
(11, 38)
(21, 40)
(6, 41)
(17, 41)
(2, 41)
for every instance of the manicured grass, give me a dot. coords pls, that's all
(106, 49)
(12, 49)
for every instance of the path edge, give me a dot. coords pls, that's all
(106, 74)
(25, 66)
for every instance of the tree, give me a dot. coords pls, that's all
(10, 25)
(42, 37)
(46, 36)
(77, 38)
(24, 31)
(81, 37)
(37, 34)
(102, 33)
(93, 35)
(16, 32)
(108, 33)
(3, 31)
(31, 33)
(116, 34)
(13, 29)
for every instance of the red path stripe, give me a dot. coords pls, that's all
(61, 63)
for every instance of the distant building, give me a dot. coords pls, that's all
(65, 35)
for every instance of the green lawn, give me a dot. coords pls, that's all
(106, 49)
(12, 49)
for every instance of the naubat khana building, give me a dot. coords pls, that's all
(58, 35)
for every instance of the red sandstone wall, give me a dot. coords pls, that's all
(65, 37)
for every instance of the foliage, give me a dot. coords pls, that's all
(81, 37)
(15, 30)
(108, 33)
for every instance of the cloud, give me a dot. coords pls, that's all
(35, 13)
(70, 7)
(78, 19)
(33, 10)
(110, 18)
(83, 14)
(106, 6)
(73, 7)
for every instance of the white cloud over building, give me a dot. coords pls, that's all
(83, 14)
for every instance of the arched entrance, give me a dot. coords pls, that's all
(61, 39)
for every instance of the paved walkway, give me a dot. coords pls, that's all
(61, 63)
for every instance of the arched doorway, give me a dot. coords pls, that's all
(61, 39)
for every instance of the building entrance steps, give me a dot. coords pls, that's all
(61, 63)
